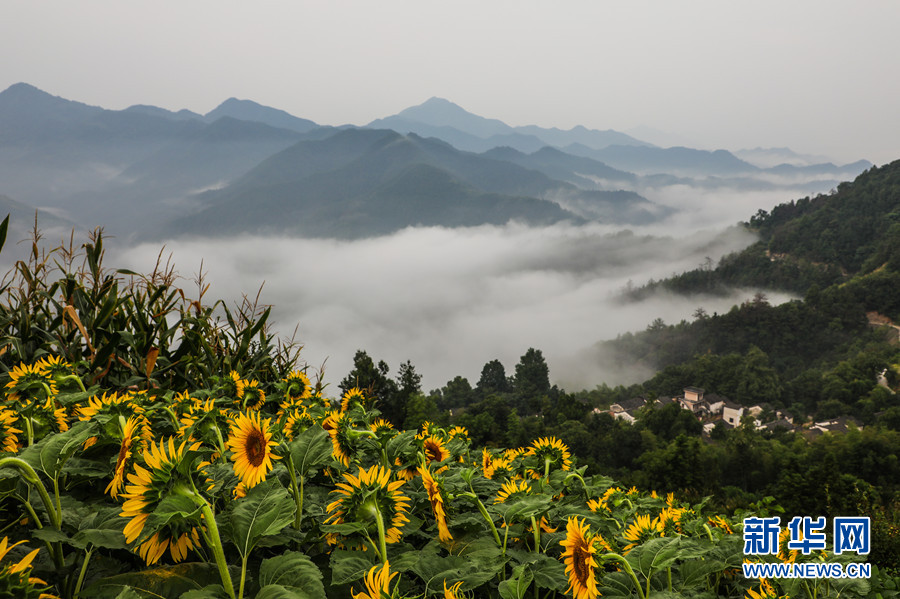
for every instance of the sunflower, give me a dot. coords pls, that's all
(233, 385)
(433, 488)
(296, 422)
(453, 591)
(458, 432)
(132, 442)
(254, 397)
(51, 415)
(551, 452)
(669, 521)
(149, 486)
(640, 531)
(434, 449)
(338, 425)
(353, 397)
(382, 427)
(360, 496)
(14, 579)
(29, 385)
(251, 445)
(9, 441)
(578, 556)
(510, 488)
(297, 386)
(499, 468)
(788, 556)
(766, 591)
(377, 582)
(58, 369)
(108, 403)
(720, 522)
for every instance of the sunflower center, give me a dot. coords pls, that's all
(580, 558)
(256, 448)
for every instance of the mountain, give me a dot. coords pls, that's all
(445, 120)
(578, 170)
(677, 160)
(364, 182)
(247, 110)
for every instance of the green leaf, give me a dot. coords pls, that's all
(129, 593)
(51, 453)
(516, 585)
(549, 573)
(350, 566)
(311, 448)
(265, 510)
(657, 554)
(295, 572)
(175, 508)
(102, 529)
(524, 508)
(400, 445)
(694, 572)
(51, 535)
(167, 581)
(276, 591)
(213, 591)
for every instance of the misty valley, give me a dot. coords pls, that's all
(488, 352)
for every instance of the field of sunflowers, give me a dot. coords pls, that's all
(155, 445)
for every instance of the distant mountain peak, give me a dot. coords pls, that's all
(248, 110)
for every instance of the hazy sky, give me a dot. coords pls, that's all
(816, 75)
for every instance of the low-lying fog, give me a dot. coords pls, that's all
(450, 300)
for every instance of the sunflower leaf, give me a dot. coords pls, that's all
(516, 585)
(51, 453)
(165, 581)
(549, 573)
(173, 509)
(293, 571)
(311, 448)
(657, 554)
(350, 566)
(265, 510)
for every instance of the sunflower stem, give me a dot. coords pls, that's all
(629, 571)
(379, 521)
(485, 515)
(76, 378)
(243, 575)
(669, 576)
(546, 468)
(298, 493)
(211, 535)
(29, 430)
(537, 535)
(87, 558)
(587, 495)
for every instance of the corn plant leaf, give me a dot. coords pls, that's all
(517, 584)
(294, 572)
(311, 448)
(265, 510)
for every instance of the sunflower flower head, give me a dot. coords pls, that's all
(134, 432)
(251, 445)
(436, 499)
(14, 578)
(766, 591)
(29, 385)
(353, 398)
(510, 489)
(452, 592)
(296, 422)
(434, 449)
(9, 434)
(296, 386)
(580, 549)
(378, 581)
(552, 454)
(358, 498)
(669, 521)
(339, 425)
(148, 487)
(788, 556)
(641, 530)
(498, 469)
